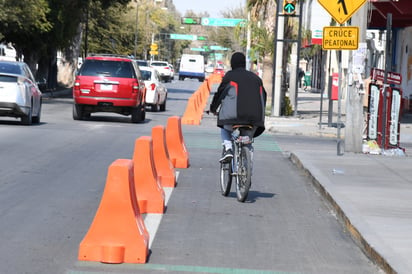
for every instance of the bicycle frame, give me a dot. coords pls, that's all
(239, 168)
(238, 141)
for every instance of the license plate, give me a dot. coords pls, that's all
(106, 87)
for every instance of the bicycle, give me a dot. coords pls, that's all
(240, 167)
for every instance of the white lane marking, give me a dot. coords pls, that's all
(152, 220)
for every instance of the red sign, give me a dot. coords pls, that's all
(335, 86)
(393, 77)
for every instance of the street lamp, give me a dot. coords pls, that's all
(136, 31)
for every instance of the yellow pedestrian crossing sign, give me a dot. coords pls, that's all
(339, 38)
(341, 10)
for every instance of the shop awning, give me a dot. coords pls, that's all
(401, 11)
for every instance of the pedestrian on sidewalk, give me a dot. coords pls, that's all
(301, 74)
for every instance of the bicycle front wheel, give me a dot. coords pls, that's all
(243, 178)
(225, 177)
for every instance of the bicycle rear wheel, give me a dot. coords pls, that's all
(225, 177)
(243, 178)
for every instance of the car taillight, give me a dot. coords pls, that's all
(167, 68)
(153, 86)
(135, 86)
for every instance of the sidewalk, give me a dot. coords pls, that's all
(372, 194)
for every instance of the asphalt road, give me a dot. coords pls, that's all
(53, 175)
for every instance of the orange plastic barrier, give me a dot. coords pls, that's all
(175, 143)
(197, 102)
(149, 193)
(164, 166)
(118, 233)
(191, 114)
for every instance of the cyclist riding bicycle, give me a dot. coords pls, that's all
(242, 100)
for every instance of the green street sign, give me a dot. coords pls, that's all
(197, 49)
(183, 36)
(190, 20)
(218, 48)
(222, 22)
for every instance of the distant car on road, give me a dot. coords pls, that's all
(20, 96)
(219, 71)
(192, 66)
(109, 83)
(164, 70)
(172, 69)
(209, 68)
(142, 63)
(156, 92)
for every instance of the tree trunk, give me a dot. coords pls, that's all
(69, 61)
(267, 70)
(267, 77)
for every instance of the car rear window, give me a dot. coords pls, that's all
(146, 74)
(159, 64)
(121, 69)
(142, 63)
(10, 68)
(8, 79)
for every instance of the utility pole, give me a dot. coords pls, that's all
(354, 103)
(136, 30)
(277, 63)
(248, 43)
(388, 56)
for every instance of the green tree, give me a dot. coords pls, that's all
(263, 22)
(39, 29)
(22, 23)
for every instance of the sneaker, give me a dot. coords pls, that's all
(227, 156)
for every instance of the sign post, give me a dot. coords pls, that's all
(340, 38)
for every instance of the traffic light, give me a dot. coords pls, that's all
(202, 38)
(289, 7)
(190, 20)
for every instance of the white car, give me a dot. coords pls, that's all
(156, 92)
(20, 96)
(166, 73)
(210, 68)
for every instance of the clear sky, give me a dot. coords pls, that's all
(213, 7)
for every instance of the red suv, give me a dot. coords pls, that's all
(109, 83)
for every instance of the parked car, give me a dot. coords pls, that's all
(163, 69)
(156, 92)
(20, 96)
(109, 83)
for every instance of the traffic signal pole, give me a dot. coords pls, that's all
(277, 64)
(287, 9)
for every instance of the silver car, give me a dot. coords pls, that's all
(20, 96)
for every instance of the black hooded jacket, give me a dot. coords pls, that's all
(241, 97)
